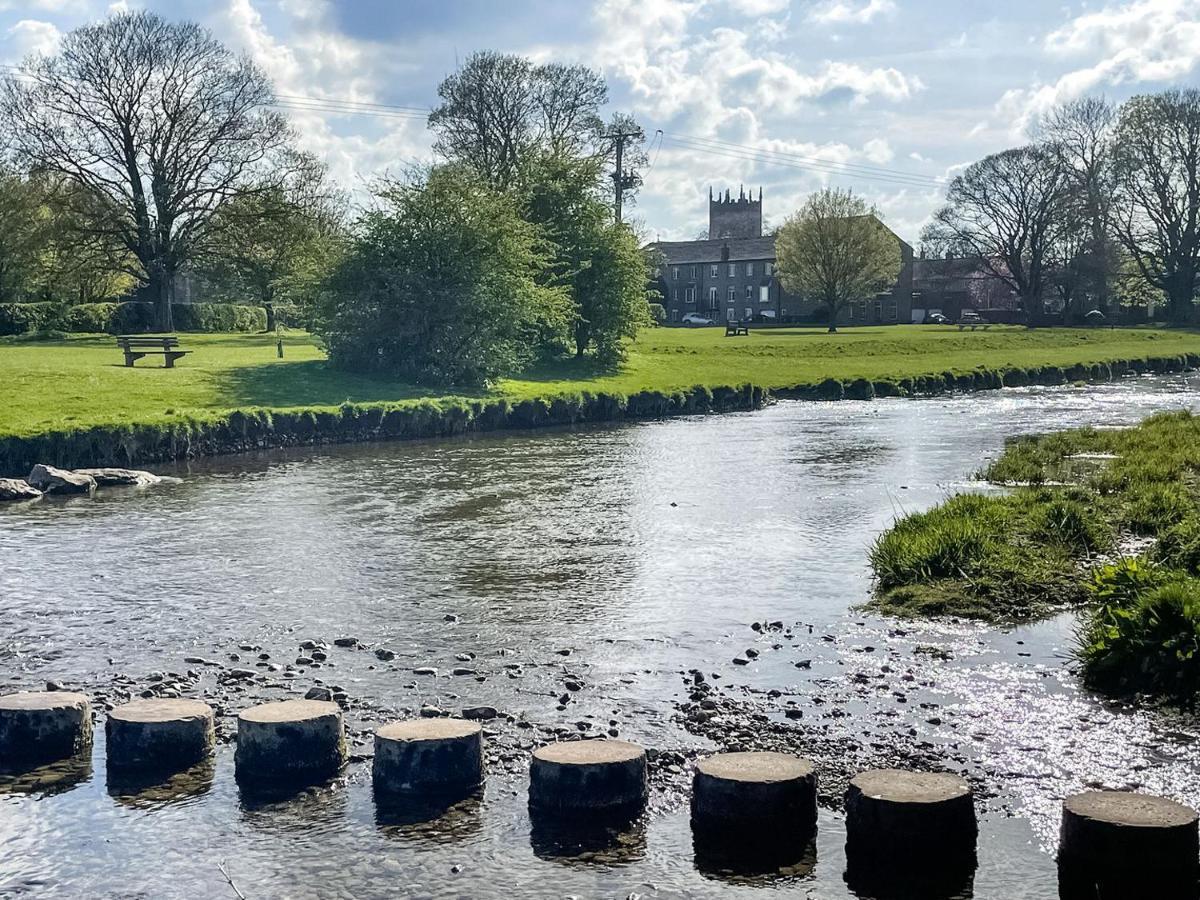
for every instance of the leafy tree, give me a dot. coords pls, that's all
(439, 284)
(278, 243)
(1007, 210)
(1157, 149)
(160, 122)
(596, 261)
(24, 233)
(836, 251)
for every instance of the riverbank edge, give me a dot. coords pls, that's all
(256, 428)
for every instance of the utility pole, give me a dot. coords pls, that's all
(621, 181)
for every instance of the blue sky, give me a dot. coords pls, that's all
(888, 97)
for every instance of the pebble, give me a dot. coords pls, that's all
(385, 655)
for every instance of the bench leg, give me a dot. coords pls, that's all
(128, 359)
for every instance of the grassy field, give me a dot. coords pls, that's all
(80, 381)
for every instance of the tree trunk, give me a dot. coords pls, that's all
(163, 291)
(1181, 297)
(581, 339)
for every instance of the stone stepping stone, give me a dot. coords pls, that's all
(587, 776)
(43, 726)
(755, 790)
(430, 756)
(163, 735)
(911, 817)
(1122, 840)
(291, 742)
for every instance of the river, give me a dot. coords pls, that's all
(620, 557)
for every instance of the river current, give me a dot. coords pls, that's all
(619, 557)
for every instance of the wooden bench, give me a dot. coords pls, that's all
(136, 346)
(733, 329)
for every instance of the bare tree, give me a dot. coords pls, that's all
(836, 251)
(159, 122)
(1006, 210)
(1080, 136)
(1157, 153)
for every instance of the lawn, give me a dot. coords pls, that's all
(80, 381)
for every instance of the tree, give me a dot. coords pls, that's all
(1079, 135)
(278, 243)
(438, 284)
(24, 233)
(160, 121)
(1157, 149)
(597, 261)
(1007, 210)
(836, 251)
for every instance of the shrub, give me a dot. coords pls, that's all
(18, 318)
(658, 313)
(948, 541)
(90, 317)
(1073, 523)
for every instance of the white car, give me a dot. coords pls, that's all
(696, 319)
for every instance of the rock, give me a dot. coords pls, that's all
(759, 791)
(587, 776)
(572, 685)
(162, 735)
(293, 742)
(910, 817)
(385, 655)
(480, 712)
(345, 642)
(17, 489)
(110, 477)
(462, 671)
(425, 670)
(319, 693)
(42, 726)
(428, 755)
(50, 480)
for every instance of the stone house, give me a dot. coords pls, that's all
(731, 276)
(951, 284)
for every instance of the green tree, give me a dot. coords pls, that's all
(277, 244)
(24, 233)
(1157, 150)
(596, 261)
(835, 250)
(158, 119)
(439, 284)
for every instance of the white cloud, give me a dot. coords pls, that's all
(758, 7)
(29, 36)
(850, 12)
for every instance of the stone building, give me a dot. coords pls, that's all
(731, 276)
(949, 285)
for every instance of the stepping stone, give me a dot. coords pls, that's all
(295, 742)
(1122, 840)
(755, 790)
(583, 776)
(910, 816)
(163, 735)
(435, 756)
(43, 726)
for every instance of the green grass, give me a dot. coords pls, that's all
(79, 381)
(1052, 542)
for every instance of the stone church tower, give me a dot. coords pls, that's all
(734, 218)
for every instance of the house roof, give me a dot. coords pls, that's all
(740, 250)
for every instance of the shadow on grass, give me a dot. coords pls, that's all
(316, 383)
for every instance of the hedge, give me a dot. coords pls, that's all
(130, 317)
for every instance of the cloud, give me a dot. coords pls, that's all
(1131, 43)
(29, 37)
(848, 12)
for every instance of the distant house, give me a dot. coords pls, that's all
(951, 284)
(731, 276)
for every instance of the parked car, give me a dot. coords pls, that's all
(696, 319)
(970, 317)
(936, 319)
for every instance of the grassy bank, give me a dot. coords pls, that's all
(73, 395)
(1061, 536)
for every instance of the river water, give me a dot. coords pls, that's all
(620, 557)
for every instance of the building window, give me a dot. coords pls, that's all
(730, 314)
(732, 293)
(749, 292)
(695, 272)
(675, 273)
(850, 311)
(712, 296)
(714, 270)
(892, 311)
(675, 295)
(749, 313)
(764, 294)
(768, 269)
(878, 311)
(749, 270)
(689, 294)
(674, 315)
(732, 269)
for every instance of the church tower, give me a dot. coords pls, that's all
(739, 217)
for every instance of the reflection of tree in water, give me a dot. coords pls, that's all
(591, 840)
(429, 819)
(47, 780)
(149, 790)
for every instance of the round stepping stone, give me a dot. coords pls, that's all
(1131, 838)
(290, 742)
(42, 726)
(910, 815)
(591, 775)
(436, 756)
(755, 790)
(160, 735)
